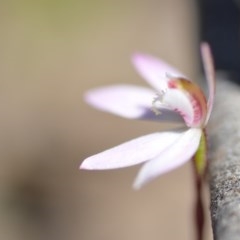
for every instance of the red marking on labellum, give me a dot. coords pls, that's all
(196, 109)
(197, 99)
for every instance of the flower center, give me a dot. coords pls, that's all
(158, 102)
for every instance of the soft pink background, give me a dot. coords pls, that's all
(51, 52)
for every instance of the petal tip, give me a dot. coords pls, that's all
(137, 58)
(139, 182)
(85, 165)
(205, 46)
(137, 186)
(87, 97)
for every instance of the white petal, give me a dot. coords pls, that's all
(175, 155)
(130, 153)
(125, 100)
(129, 101)
(154, 71)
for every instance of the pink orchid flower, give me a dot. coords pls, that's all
(177, 99)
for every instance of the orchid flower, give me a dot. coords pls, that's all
(177, 99)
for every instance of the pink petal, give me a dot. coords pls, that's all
(128, 101)
(172, 157)
(210, 75)
(154, 71)
(125, 100)
(132, 152)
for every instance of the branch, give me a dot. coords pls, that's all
(224, 163)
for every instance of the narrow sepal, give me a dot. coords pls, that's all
(208, 65)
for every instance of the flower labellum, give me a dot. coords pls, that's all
(177, 99)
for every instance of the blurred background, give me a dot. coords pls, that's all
(51, 52)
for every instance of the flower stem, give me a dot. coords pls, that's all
(199, 210)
